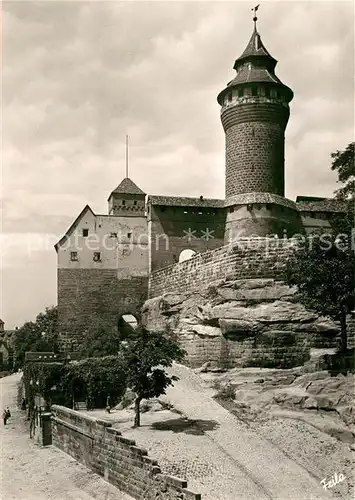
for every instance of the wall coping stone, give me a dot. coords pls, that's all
(75, 413)
(72, 427)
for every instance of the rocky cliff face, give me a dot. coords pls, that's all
(248, 322)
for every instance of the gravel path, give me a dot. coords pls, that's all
(220, 456)
(29, 472)
(265, 472)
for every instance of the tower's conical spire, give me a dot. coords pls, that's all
(256, 66)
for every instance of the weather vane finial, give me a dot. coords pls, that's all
(255, 18)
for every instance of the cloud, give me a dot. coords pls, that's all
(78, 76)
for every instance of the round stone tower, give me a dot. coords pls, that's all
(254, 113)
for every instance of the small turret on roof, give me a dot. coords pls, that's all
(127, 186)
(127, 200)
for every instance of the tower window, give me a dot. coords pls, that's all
(123, 202)
(262, 91)
(85, 232)
(74, 256)
(240, 92)
(134, 203)
(97, 257)
(267, 92)
(230, 96)
(254, 91)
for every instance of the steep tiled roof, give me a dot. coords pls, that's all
(326, 205)
(246, 198)
(180, 201)
(255, 47)
(252, 74)
(127, 186)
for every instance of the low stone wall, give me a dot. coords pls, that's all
(249, 258)
(104, 450)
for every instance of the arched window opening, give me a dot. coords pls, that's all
(186, 254)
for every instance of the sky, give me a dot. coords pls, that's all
(78, 76)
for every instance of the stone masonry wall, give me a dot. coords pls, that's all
(119, 460)
(96, 298)
(258, 258)
(255, 158)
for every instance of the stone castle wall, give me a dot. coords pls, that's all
(230, 307)
(169, 228)
(250, 258)
(91, 299)
(119, 460)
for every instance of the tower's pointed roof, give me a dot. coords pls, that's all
(127, 186)
(255, 48)
(255, 66)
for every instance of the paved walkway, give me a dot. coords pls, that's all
(264, 471)
(30, 472)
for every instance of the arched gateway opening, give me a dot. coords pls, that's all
(186, 254)
(126, 325)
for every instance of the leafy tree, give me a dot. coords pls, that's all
(39, 336)
(147, 354)
(100, 342)
(344, 164)
(323, 270)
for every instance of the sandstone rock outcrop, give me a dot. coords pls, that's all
(246, 322)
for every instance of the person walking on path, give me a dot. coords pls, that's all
(108, 404)
(6, 415)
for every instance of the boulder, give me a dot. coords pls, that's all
(273, 312)
(206, 331)
(238, 328)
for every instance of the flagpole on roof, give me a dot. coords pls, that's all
(126, 156)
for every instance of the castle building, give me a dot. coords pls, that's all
(104, 261)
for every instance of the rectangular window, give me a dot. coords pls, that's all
(254, 91)
(129, 235)
(134, 203)
(85, 232)
(240, 92)
(123, 202)
(97, 256)
(73, 256)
